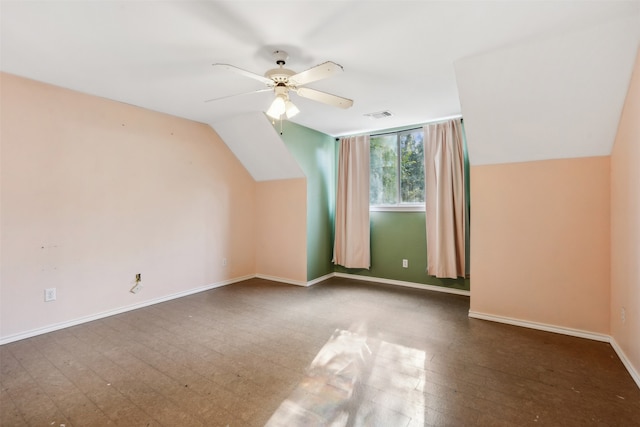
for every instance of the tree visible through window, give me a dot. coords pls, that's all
(397, 169)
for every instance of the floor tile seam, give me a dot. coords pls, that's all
(131, 398)
(98, 350)
(170, 395)
(204, 375)
(501, 371)
(486, 385)
(8, 369)
(107, 356)
(404, 363)
(132, 327)
(157, 368)
(226, 387)
(483, 371)
(168, 337)
(456, 392)
(28, 417)
(130, 336)
(57, 402)
(203, 326)
(182, 313)
(517, 390)
(172, 325)
(80, 389)
(13, 402)
(586, 381)
(269, 310)
(563, 388)
(40, 387)
(383, 403)
(288, 367)
(381, 396)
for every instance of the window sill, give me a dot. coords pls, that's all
(397, 208)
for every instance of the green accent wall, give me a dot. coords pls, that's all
(396, 236)
(315, 152)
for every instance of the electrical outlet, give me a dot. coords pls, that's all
(623, 315)
(224, 262)
(405, 263)
(50, 294)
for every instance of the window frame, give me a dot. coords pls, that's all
(399, 207)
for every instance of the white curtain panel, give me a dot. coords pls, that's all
(351, 247)
(445, 200)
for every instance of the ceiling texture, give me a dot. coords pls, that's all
(490, 61)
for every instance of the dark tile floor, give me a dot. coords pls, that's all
(341, 353)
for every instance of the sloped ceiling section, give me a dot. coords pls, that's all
(549, 98)
(258, 146)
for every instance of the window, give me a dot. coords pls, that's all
(397, 170)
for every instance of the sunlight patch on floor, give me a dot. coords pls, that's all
(356, 380)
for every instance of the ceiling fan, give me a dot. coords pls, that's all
(282, 81)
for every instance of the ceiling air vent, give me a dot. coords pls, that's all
(379, 115)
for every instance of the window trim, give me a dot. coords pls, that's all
(405, 207)
(399, 207)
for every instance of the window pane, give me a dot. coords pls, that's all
(412, 167)
(384, 170)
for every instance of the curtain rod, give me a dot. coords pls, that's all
(410, 129)
(397, 131)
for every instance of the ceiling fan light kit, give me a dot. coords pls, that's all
(282, 80)
(290, 109)
(282, 104)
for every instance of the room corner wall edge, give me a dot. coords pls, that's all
(108, 313)
(625, 361)
(564, 331)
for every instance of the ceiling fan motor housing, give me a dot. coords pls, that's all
(279, 75)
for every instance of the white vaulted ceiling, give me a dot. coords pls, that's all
(562, 64)
(554, 97)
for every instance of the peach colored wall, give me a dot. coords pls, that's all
(540, 242)
(625, 227)
(95, 191)
(281, 224)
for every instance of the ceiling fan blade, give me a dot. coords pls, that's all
(245, 73)
(316, 73)
(326, 98)
(239, 94)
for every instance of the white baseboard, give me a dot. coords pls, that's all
(321, 279)
(403, 283)
(281, 280)
(365, 279)
(541, 326)
(625, 361)
(565, 331)
(85, 319)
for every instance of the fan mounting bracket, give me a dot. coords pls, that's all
(280, 56)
